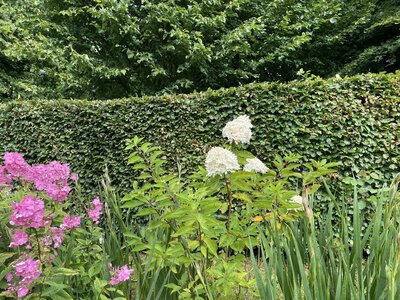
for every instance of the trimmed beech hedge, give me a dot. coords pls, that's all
(354, 120)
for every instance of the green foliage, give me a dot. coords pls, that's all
(209, 259)
(201, 228)
(303, 262)
(354, 121)
(106, 49)
(378, 47)
(183, 250)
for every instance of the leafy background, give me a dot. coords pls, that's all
(354, 120)
(102, 49)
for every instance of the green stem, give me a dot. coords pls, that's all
(229, 195)
(37, 241)
(40, 258)
(228, 222)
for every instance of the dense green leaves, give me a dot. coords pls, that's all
(105, 49)
(354, 121)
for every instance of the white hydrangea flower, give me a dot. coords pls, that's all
(255, 165)
(221, 161)
(238, 130)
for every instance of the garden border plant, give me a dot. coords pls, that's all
(47, 246)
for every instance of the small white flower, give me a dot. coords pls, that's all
(299, 200)
(221, 161)
(238, 130)
(255, 165)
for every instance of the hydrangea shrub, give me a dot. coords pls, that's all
(201, 228)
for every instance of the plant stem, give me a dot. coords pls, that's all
(37, 241)
(229, 195)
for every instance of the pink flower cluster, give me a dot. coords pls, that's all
(19, 238)
(15, 164)
(54, 236)
(71, 222)
(28, 213)
(25, 272)
(51, 178)
(119, 275)
(5, 177)
(95, 212)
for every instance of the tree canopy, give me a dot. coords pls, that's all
(116, 48)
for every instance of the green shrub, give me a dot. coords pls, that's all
(352, 120)
(193, 248)
(194, 232)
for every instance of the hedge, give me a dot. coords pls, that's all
(354, 120)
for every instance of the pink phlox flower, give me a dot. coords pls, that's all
(57, 235)
(28, 213)
(28, 270)
(53, 179)
(70, 222)
(48, 219)
(74, 177)
(54, 237)
(16, 165)
(94, 214)
(19, 238)
(5, 177)
(22, 291)
(119, 275)
(57, 193)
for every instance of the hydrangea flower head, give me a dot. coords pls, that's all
(119, 275)
(28, 213)
(95, 212)
(16, 165)
(238, 130)
(19, 238)
(221, 161)
(255, 165)
(70, 222)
